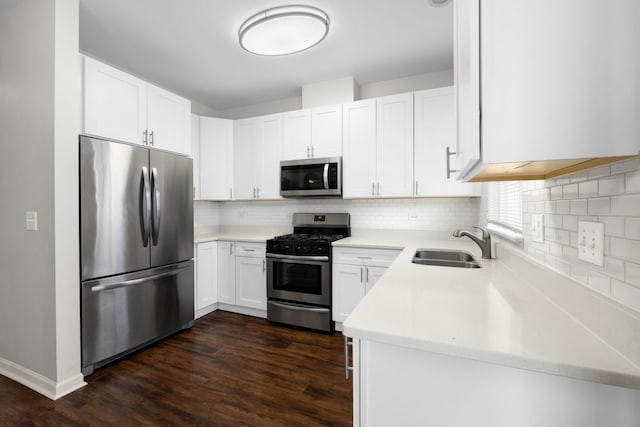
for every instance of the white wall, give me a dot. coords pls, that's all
(406, 84)
(277, 106)
(39, 115)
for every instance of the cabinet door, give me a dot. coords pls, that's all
(348, 289)
(251, 282)
(466, 67)
(245, 160)
(435, 130)
(216, 158)
(195, 154)
(226, 273)
(359, 148)
(394, 146)
(114, 103)
(373, 274)
(168, 120)
(326, 131)
(206, 271)
(297, 134)
(268, 161)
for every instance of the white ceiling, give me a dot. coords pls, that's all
(191, 47)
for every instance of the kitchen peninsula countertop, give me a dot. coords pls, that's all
(513, 312)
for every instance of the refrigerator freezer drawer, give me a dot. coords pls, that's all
(123, 313)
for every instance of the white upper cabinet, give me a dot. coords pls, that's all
(168, 120)
(245, 136)
(119, 106)
(195, 154)
(359, 148)
(326, 131)
(114, 103)
(434, 131)
(557, 88)
(394, 146)
(312, 133)
(296, 143)
(216, 158)
(257, 155)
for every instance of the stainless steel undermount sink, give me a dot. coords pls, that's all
(445, 258)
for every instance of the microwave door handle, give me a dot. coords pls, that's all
(325, 176)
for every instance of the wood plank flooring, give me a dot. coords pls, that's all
(227, 370)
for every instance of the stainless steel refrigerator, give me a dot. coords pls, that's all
(136, 246)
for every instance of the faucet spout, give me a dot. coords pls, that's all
(484, 243)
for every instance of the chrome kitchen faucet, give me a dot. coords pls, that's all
(484, 243)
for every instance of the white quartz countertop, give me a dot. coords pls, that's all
(236, 234)
(493, 314)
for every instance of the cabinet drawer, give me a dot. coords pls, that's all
(365, 256)
(255, 250)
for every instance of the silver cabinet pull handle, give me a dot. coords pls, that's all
(155, 202)
(378, 189)
(248, 250)
(144, 137)
(308, 152)
(361, 274)
(312, 151)
(151, 138)
(364, 257)
(373, 188)
(230, 248)
(449, 170)
(366, 275)
(416, 188)
(258, 193)
(230, 193)
(264, 265)
(254, 192)
(347, 368)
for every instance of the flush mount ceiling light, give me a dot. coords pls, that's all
(283, 30)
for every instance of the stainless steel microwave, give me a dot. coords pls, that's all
(320, 177)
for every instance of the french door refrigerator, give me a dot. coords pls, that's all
(136, 247)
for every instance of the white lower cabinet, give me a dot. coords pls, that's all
(355, 272)
(242, 277)
(401, 386)
(206, 292)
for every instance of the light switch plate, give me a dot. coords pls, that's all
(32, 221)
(537, 228)
(591, 242)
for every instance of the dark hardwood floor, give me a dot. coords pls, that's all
(227, 370)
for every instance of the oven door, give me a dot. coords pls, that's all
(303, 279)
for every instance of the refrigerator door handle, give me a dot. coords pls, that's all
(155, 198)
(145, 205)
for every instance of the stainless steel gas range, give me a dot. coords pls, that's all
(299, 270)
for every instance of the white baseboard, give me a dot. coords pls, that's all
(37, 382)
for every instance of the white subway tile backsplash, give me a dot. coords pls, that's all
(570, 191)
(626, 294)
(613, 226)
(632, 228)
(628, 250)
(556, 193)
(632, 182)
(599, 206)
(608, 194)
(563, 206)
(587, 189)
(611, 185)
(632, 273)
(626, 205)
(579, 207)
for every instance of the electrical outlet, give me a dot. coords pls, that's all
(537, 228)
(32, 221)
(591, 242)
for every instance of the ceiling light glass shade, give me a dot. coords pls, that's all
(283, 30)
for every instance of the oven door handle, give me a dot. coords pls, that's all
(299, 258)
(299, 307)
